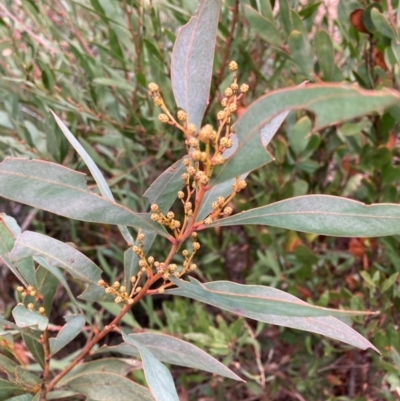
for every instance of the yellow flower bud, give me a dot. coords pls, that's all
(153, 87)
(221, 115)
(158, 101)
(170, 215)
(191, 129)
(233, 66)
(163, 118)
(208, 221)
(244, 88)
(181, 195)
(154, 207)
(234, 86)
(196, 246)
(228, 92)
(182, 116)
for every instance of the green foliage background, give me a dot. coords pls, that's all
(91, 61)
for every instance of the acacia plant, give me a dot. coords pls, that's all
(199, 188)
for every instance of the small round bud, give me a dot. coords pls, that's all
(181, 195)
(208, 221)
(170, 215)
(130, 301)
(194, 235)
(242, 184)
(108, 290)
(191, 170)
(182, 116)
(221, 115)
(158, 101)
(204, 180)
(188, 205)
(161, 290)
(116, 284)
(155, 217)
(244, 88)
(196, 246)
(219, 159)
(118, 300)
(136, 250)
(141, 237)
(224, 102)
(193, 266)
(133, 279)
(186, 162)
(154, 207)
(185, 176)
(213, 136)
(153, 87)
(101, 283)
(176, 223)
(172, 267)
(143, 269)
(234, 86)
(122, 289)
(228, 210)
(142, 263)
(191, 129)
(138, 289)
(232, 107)
(196, 155)
(223, 141)
(166, 275)
(163, 118)
(31, 306)
(150, 259)
(185, 253)
(215, 205)
(32, 293)
(193, 142)
(20, 288)
(41, 310)
(30, 288)
(228, 92)
(220, 200)
(233, 66)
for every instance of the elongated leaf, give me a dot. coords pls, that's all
(7, 389)
(300, 51)
(67, 333)
(61, 394)
(331, 103)
(325, 53)
(242, 299)
(164, 190)
(117, 366)
(220, 294)
(325, 215)
(31, 339)
(63, 191)
(173, 350)
(262, 26)
(17, 374)
(57, 253)
(109, 386)
(382, 24)
(158, 377)
(27, 318)
(47, 287)
(23, 397)
(192, 60)
(94, 170)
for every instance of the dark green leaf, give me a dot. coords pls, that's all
(325, 54)
(46, 286)
(381, 24)
(192, 61)
(285, 16)
(262, 26)
(300, 51)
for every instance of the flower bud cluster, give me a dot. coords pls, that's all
(117, 290)
(28, 291)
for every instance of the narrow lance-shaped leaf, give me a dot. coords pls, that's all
(94, 170)
(262, 26)
(325, 325)
(192, 60)
(324, 215)
(158, 377)
(63, 191)
(331, 104)
(73, 327)
(242, 299)
(300, 51)
(173, 350)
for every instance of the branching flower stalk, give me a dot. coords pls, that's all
(205, 150)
